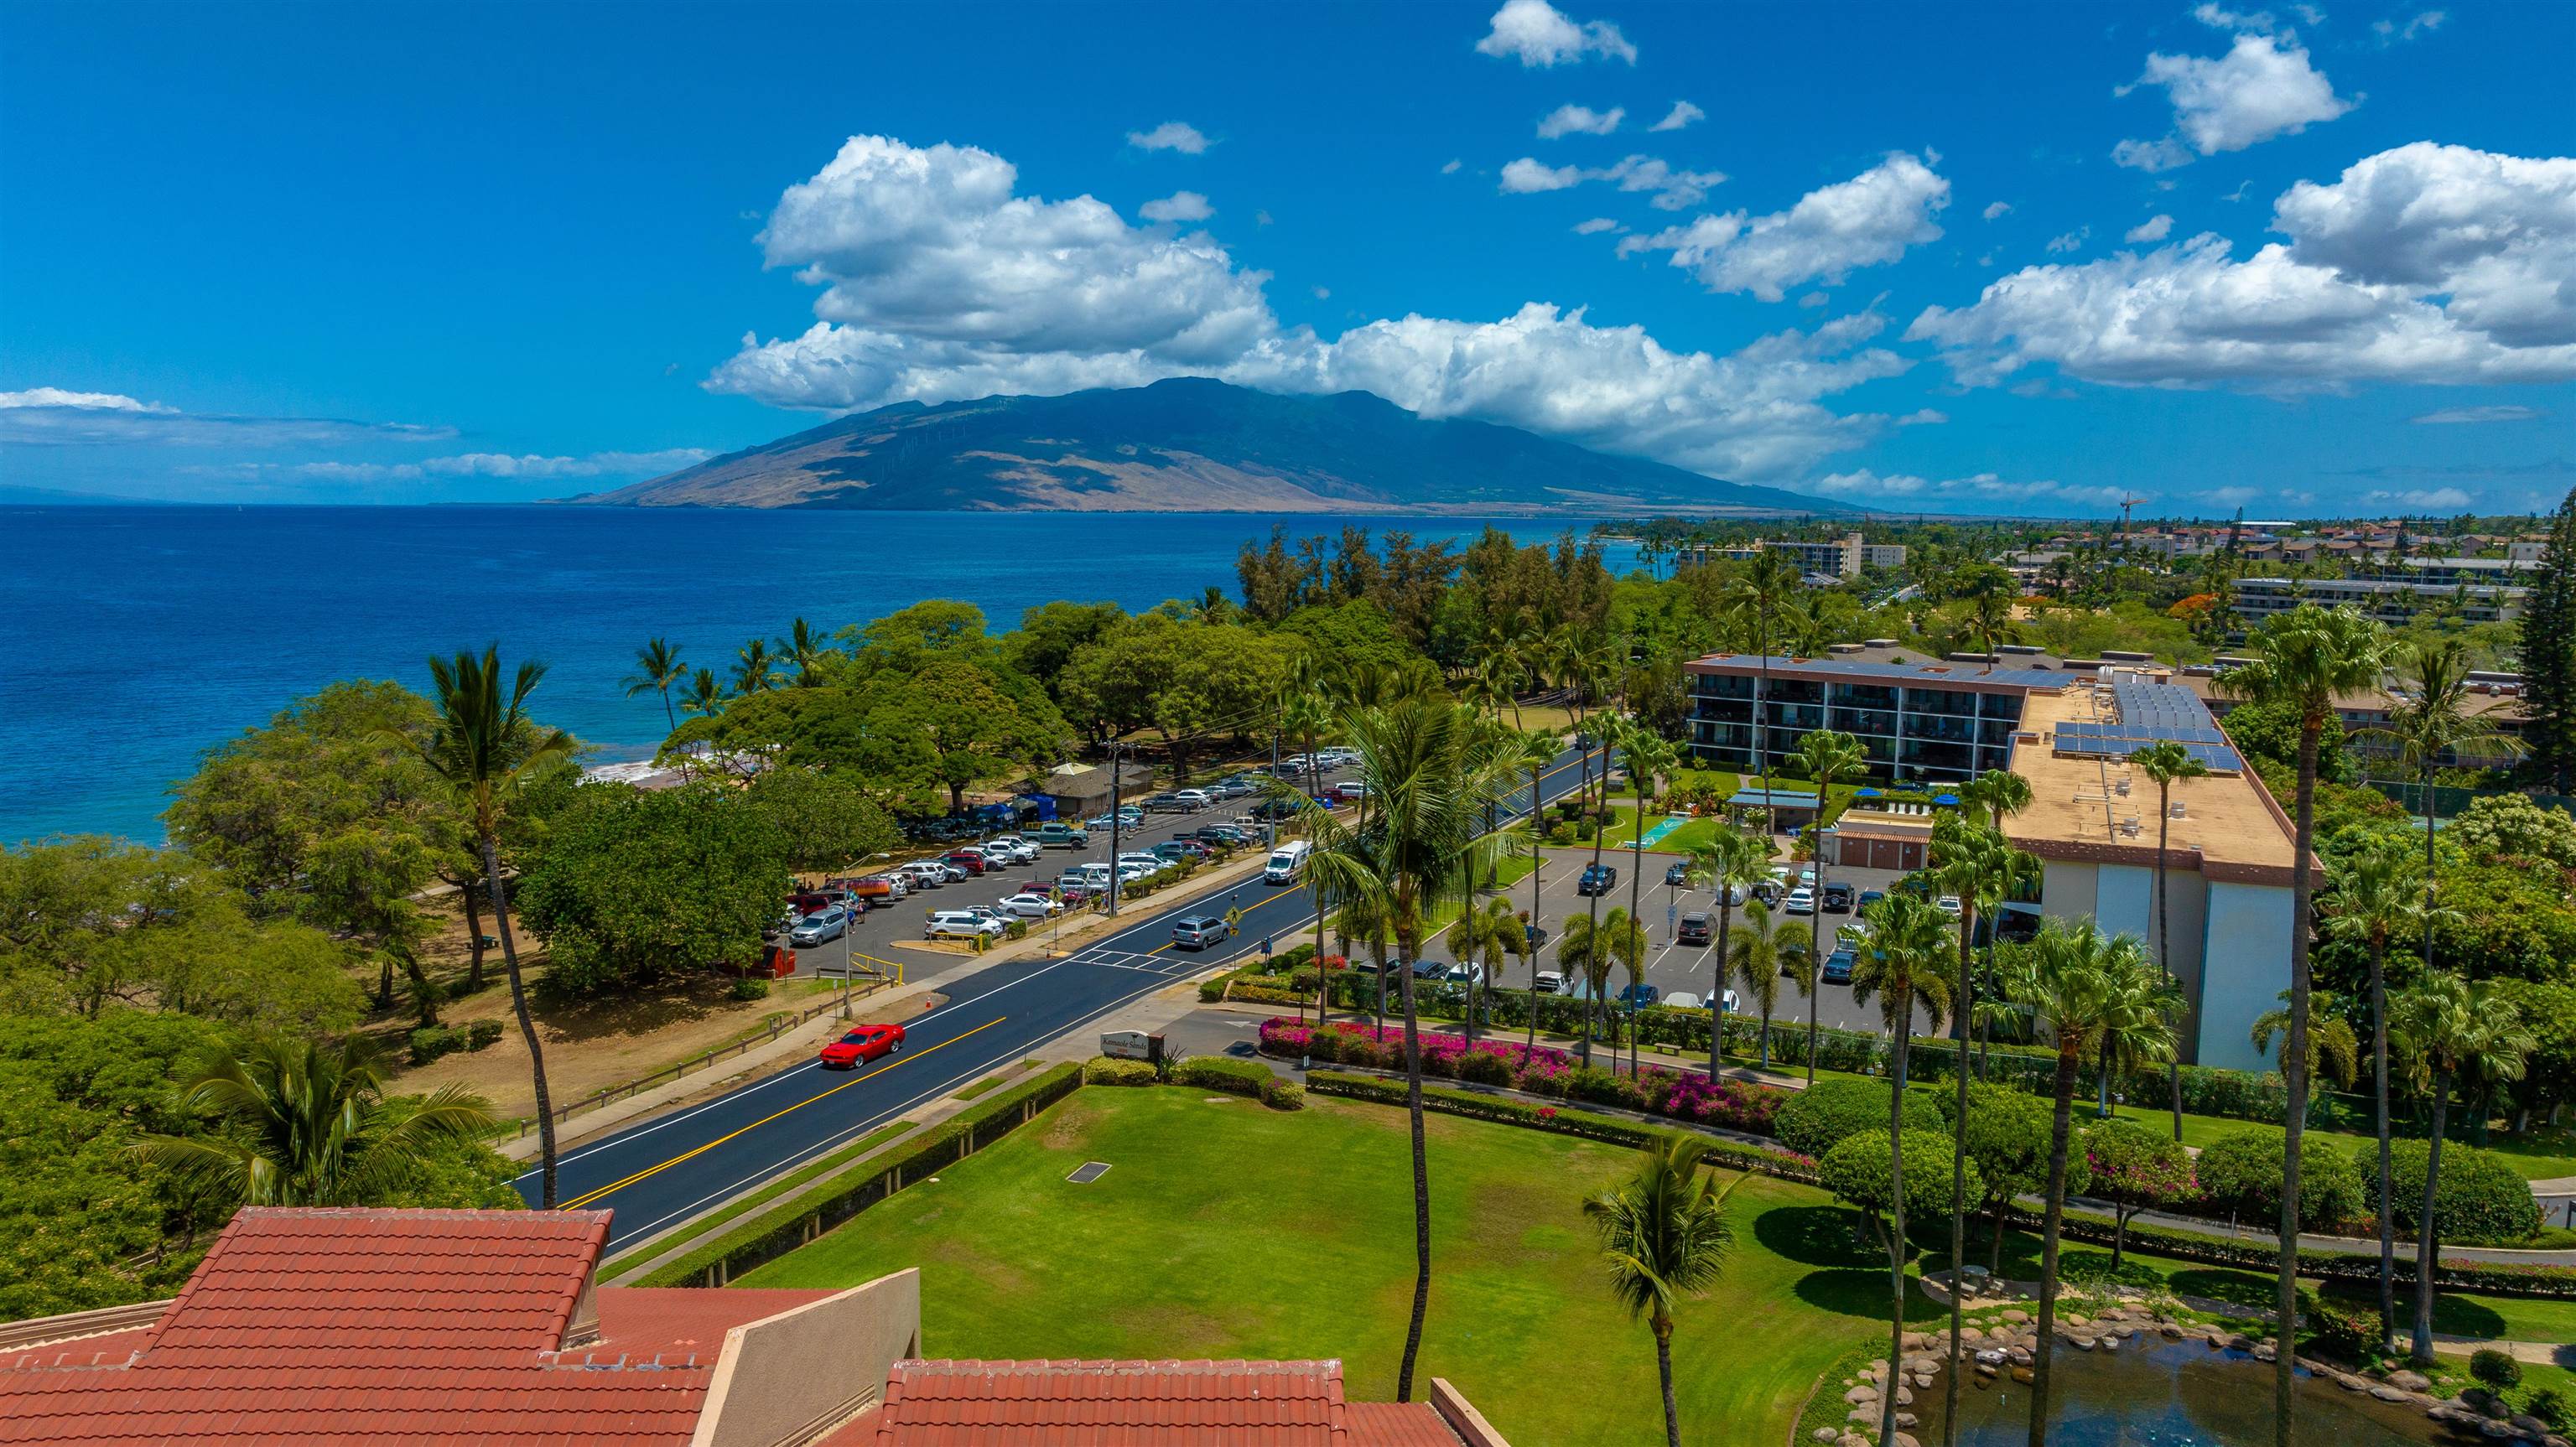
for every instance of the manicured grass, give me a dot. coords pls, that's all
(2543, 1155)
(1513, 869)
(985, 1084)
(2463, 1313)
(785, 1185)
(1224, 1230)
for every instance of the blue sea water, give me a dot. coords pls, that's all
(134, 638)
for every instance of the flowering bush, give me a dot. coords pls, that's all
(1680, 1095)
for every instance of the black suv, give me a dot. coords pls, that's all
(1838, 899)
(1597, 879)
(1693, 931)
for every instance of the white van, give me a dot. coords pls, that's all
(1287, 862)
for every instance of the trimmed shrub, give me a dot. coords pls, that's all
(1101, 1070)
(432, 1041)
(2480, 1199)
(2242, 1173)
(480, 1034)
(2345, 1331)
(747, 988)
(1215, 1072)
(1859, 1171)
(1281, 1094)
(1612, 1130)
(1831, 1111)
(2551, 1409)
(2496, 1370)
(1479, 1068)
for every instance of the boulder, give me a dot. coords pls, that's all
(1985, 1371)
(2108, 1343)
(2021, 1374)
(2410, 1381)
(2080, 1343)
(2016, 1316)
(1861, 1394)
(1905, 1419)
(1824, 1434)
(2171, 1332)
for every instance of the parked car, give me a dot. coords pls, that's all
(1838, 966)
(823, 924)
(1351, 791)
(1693, 930)
(954, 871)
(1165, 803)
(1838, 899)
(1029, 906)
(856, 1047)
(1678, 872)
(969, 860)
(1143, 859)
(1596, 879)
(1193, 800)
(1548, 982)
(1273, 811)
(1128, 816)
(1636, 997)
(1681, 1000)
(1869, 897)
(1948, 904)
(1229, 836)
(1198, 931)
(1802, 900)
(960, 924)
(1013, 847)
(1061, 835)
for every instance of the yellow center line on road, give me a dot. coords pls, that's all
(580, 1201)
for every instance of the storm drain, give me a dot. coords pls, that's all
(1090, 1172)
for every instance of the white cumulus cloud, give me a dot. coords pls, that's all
(1538, 34)
(2151, 230)
(1868, 220)
(1667, 187)
(1575, 120)
(2425, 264)
(80, 401)
(1178, 136)
(1529, 175)
(2264, 86)
(2472, 416)
(1682, 114)
(1179, 206)
(1984, 491)
(1995, 209)
(1595, 226)
(68, 417)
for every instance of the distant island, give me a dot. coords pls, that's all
(1190, 445)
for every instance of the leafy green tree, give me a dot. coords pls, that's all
(1862, 1172)
(822, 819)
(1665, 1234)
(976, 724)
(1647, 758)
(803, 649)
(1180, 679)
(2005, 1131)
(2135, 1170)
(1050, 635)
(638, 885)
(2304, 660)
(302, 1125)
(755, 668)
(2451, 1030)
(491, 753)
(902, 643)
(2547, 653)
(2510, 828)
(1733, 861)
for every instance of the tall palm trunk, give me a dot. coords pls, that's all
(1323, 980)
(1663, 1327)
(1896, 1232)
(473, 938)
(1717, 992)
(1593, 1005)
(2164, 966)
(1529, 942)
(2060, 1127)
(2379, 1083)
(2294, 1071)
(1636, 882)
(1816, 934)
(1964, 993)
(2427, 1245)
(527, 1022)
(1421, 1169)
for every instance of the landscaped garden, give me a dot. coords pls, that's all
(1224, 1229)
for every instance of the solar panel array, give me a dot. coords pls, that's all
(2152, 713)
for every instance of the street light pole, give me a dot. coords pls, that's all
(1114, 822)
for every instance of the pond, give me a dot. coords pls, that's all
(2170, 1394)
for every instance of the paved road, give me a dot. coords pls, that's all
(660, 1172)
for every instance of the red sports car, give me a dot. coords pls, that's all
(868, 1042)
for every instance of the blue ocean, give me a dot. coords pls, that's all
(137, 637)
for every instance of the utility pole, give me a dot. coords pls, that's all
(1113, 828)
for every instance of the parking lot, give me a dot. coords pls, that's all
(1689, 969)
(882, 931)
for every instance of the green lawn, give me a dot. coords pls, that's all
(2544, 1155)
(1224, 1229)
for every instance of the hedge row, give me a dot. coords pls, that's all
(1611, 1129)
(942, 1145)
(432, 1041)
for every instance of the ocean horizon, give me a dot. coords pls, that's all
(142, 634)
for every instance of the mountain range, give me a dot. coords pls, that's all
(1188, 445)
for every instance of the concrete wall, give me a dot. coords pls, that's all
(789, 1378)
(2067, 889)
(2247, 947)
(2124, 900)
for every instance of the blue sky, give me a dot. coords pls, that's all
(1985, 259)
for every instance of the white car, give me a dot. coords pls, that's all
(1193, 800)
(1549, 982)
(1012, 849)
(1681, 1000)
(1730, 1002)
(1948, 904)
(1146, 862)
(1030, 906)
(1802, 900)
(925, 875)
(958, 924)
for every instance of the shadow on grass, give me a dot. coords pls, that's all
(1818, 1236)
(2451, 1314)
(1851, 1291)
(2242, 1288)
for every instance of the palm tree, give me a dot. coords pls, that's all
(706, 697)
(1432, 776)
(1762, 953)
(1901, 957)
(1484, 937)
(1829, 756)
(2305, 657)
(1731, 860)
(2368, 900)
(1647, 758)
(2073, 979)
(1665, 1235)
(1757, 595)
(2452, 1029)
(753, 673)
(301, 1125)
(487, 748)
(2165, 762)
(2331, 1042)
(657, 669)
(803, 649)
(1537, 754)
(1304, 713)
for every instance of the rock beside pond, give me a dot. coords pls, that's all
(2108, 1343)
(1861, 1394)
(2017, 1316)
(2021, 1374)
(2410, 1381)
(1824, 1434)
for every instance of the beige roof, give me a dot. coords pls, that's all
(2229, 828)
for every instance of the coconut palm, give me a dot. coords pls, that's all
(1762, 954)
(1484, 937)
(1829, 757)
(487, 748)
(1899, 961)
(2369, 900)
(2304, 658)
(706, 697)
(1433, 776)
(1665, 1236)
(658, 669)
(1647, 757)
(1756, 596)
(1729, 861)
(2165, 762)
(2331, 1041)
(2451, 1030)
(1536, 754)
(804, 650)
(2083, 988)
(299, 1124)
(754, 672)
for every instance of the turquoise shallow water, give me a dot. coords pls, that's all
(132, 638)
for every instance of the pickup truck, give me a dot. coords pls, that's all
(1063, 836)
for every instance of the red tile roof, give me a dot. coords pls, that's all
(382, 1328)
(1135, 1404)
